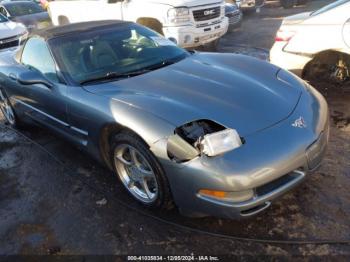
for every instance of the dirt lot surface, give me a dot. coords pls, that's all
(56, 200)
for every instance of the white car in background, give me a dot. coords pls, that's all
(11, 34)
(316, 44)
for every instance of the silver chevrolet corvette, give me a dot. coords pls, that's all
(214, 134)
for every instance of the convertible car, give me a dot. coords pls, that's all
(213, 134)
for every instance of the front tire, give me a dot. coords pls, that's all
(139, 171)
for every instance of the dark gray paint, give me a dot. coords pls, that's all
(255, 98)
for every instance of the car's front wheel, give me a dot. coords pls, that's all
(6, 109)
(139, 171)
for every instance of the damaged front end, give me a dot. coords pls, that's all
(201, 137)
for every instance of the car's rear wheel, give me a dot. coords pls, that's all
(7, 109)
(139, 171)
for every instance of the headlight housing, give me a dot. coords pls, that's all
(201, 137)
(179, 15)
(220, 142)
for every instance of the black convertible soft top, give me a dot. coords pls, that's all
(58, 31)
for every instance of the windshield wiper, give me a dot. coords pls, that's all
(113, 76)
(116, 75)
(160, 65)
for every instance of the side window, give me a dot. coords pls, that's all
(36, 55)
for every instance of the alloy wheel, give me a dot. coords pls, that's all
(340, 72)
(6, 109)
(136, 173)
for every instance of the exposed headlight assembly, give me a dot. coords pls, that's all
(220, 142)
(179, 15)
(201, 137)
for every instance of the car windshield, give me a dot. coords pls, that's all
(3, 19)
(20, 9)
(329, 7)
(123, 50)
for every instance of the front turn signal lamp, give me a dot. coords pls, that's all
(234, 197)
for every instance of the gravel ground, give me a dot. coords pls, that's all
(68, 204)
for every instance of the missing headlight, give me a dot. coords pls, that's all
(193, 131)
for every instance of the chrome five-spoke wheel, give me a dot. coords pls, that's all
(6, 109)
(136, 173)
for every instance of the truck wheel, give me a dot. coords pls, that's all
(212, 46)
(62, 20)
(288, 3)
(151, 23)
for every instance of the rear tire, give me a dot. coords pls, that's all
(331, 67)
(131, 159)
(8, 111)
(153, 24)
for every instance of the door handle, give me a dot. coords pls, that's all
(13, 77)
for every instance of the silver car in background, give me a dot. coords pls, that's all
(11, 33)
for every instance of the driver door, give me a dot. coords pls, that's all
(44, 104)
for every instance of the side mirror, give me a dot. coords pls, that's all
(32, 77)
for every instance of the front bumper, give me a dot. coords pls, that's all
(289, 61)
(192, 36)
(271, 163)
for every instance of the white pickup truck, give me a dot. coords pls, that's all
(189, 23)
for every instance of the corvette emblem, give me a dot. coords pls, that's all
(299, 123)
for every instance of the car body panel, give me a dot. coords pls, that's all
(10, 29)
(191, 96)
(31, 21)
(34, 21)
(179, 3)
(282, 120)
(265, 157)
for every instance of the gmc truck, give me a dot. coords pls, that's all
(188, 23)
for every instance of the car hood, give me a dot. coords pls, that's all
(177, 3)
(10, 29)
(236, 91)
(296, 19)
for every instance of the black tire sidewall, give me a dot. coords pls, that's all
(164, 199)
